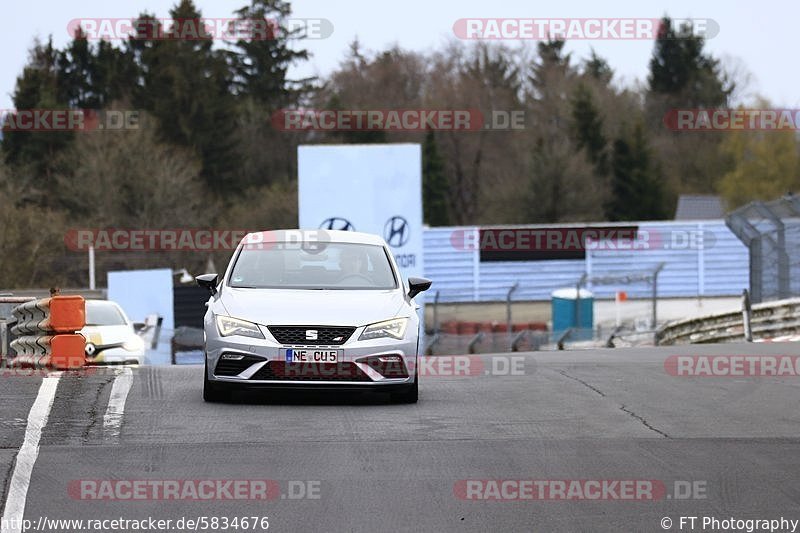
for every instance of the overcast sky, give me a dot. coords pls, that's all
(760, 37)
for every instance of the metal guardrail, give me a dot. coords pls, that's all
(564, 336)
(432, 344)
(519, 338)
(473, 342)
(769, 319)
(610, 339)
(533, 340)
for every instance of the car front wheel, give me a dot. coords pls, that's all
(410, 394)
(210, 392)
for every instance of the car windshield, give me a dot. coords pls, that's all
(101, 314)
(331, 266)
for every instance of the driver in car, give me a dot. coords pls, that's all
(352, 261)
(353, 265)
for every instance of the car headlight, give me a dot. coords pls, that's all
(135, 344)
(395, 328)
(233, 326)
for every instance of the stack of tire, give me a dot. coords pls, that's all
(47, 333)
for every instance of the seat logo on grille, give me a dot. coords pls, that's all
(311, 334)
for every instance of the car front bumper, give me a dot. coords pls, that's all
(117, 355)
(263, 363)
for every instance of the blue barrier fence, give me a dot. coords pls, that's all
(701, 259)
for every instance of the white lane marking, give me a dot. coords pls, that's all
(28, 452)
(112, 421)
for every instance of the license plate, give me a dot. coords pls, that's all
(310, 355)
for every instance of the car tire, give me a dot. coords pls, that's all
(210, 392)
(411, 392)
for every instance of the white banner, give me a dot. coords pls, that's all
(374, 188)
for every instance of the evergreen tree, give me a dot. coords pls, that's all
(681, 71)
(261, 64)
(434, 184)
(550, 75)
(636, 191)
(682, 76)
(186, 86)
(75, 74)
(588, 129)
(355, 136)
(496, 72)
(94, 76)
(115, 74)
(562, 187)
(35, 154)
(598, 68)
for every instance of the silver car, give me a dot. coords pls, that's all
(311, 309)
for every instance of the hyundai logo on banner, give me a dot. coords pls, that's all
(337, 223)
(396, 231)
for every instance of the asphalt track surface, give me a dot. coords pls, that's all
(345, 462)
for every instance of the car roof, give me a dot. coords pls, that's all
(329, 235)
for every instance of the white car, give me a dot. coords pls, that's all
(110, 335)
(312, 309)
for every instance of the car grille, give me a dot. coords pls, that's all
(281, 370)
(233, 367)
(326, 335)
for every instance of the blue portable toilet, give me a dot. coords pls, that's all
(564, 303)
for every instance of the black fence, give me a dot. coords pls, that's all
(771, 232)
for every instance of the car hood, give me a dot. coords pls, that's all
(313, 307)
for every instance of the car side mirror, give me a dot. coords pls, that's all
(418, 285)
(209, 281)
(139, 326)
